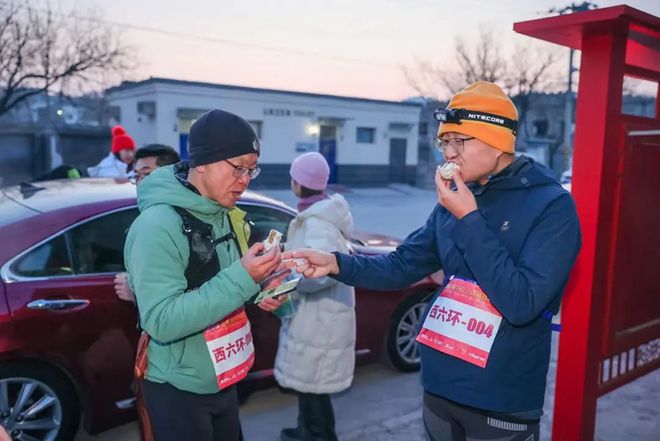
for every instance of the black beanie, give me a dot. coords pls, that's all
(219, 135)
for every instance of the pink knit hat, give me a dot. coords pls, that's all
(311, 170)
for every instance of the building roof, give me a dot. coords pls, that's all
(127, 85)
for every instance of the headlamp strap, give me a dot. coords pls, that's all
(456, 116)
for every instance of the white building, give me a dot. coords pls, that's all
(366, 142)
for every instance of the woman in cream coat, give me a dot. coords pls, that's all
(316, 353)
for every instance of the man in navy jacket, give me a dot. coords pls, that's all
(506, 242)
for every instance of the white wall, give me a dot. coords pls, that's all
(140, 128)
(279, 133)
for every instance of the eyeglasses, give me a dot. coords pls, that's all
(240, 171)
(138, 177)
(135, 179)
(458, 144)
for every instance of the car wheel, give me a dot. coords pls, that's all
(401, 345)
(37, 403)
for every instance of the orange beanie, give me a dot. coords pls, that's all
(486, 97)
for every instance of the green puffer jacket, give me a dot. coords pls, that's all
(156, 255)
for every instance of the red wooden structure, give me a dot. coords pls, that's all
(611, 311)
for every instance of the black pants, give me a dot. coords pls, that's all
(178, 415)
(448, 421)
(316, 418)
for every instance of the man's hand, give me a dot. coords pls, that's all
(270, 304)
(260, 267)
(312, 263)
(460, 202)
(121, 288)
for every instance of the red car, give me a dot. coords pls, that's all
(67, 343)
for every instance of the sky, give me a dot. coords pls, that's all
(339, 47)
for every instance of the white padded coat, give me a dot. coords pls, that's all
(316, 352)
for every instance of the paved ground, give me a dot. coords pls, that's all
(396, 211)
(384, 405)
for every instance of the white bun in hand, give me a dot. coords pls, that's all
(272, 240)
(447, 170)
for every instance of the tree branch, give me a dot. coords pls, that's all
(522, 74)
(43, 50)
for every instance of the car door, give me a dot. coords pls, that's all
(265, 326)
(65, 310)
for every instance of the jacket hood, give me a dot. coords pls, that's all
(335, 210)
(166, 185)
(523, 172)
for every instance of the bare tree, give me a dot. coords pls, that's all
(42, 50)
(527, 71)
(482, 62)
(528, 74)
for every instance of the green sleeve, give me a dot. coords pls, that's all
(157, 267)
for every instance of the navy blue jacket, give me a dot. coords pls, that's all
(519, 246)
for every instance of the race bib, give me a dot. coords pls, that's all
(462, 322)
(230, 345)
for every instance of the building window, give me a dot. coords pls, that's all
(423, 129)
(541, 128)
(365, 135)
(256, 125)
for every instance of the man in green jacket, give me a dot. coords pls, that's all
(191, 279)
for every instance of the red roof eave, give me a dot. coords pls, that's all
(568, 30)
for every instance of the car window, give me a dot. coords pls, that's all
(48, 259)
(98, 245)
(264, 219)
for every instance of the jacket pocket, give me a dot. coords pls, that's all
(177, 353)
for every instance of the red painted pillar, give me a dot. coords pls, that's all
(657, 103)
(598, 146)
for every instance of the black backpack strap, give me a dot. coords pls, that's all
(232, 236)
(203, 262)
(229, 236)
(186, 227)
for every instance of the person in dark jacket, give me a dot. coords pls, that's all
(506, 235)
(147, 159)
(152, 156)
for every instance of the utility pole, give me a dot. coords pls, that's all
(568, 109)
(568, 95)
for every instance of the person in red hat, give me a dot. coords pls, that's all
(119, 162)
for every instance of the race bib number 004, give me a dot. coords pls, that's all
(462, 322)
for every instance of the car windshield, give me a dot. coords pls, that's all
(11, 211)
